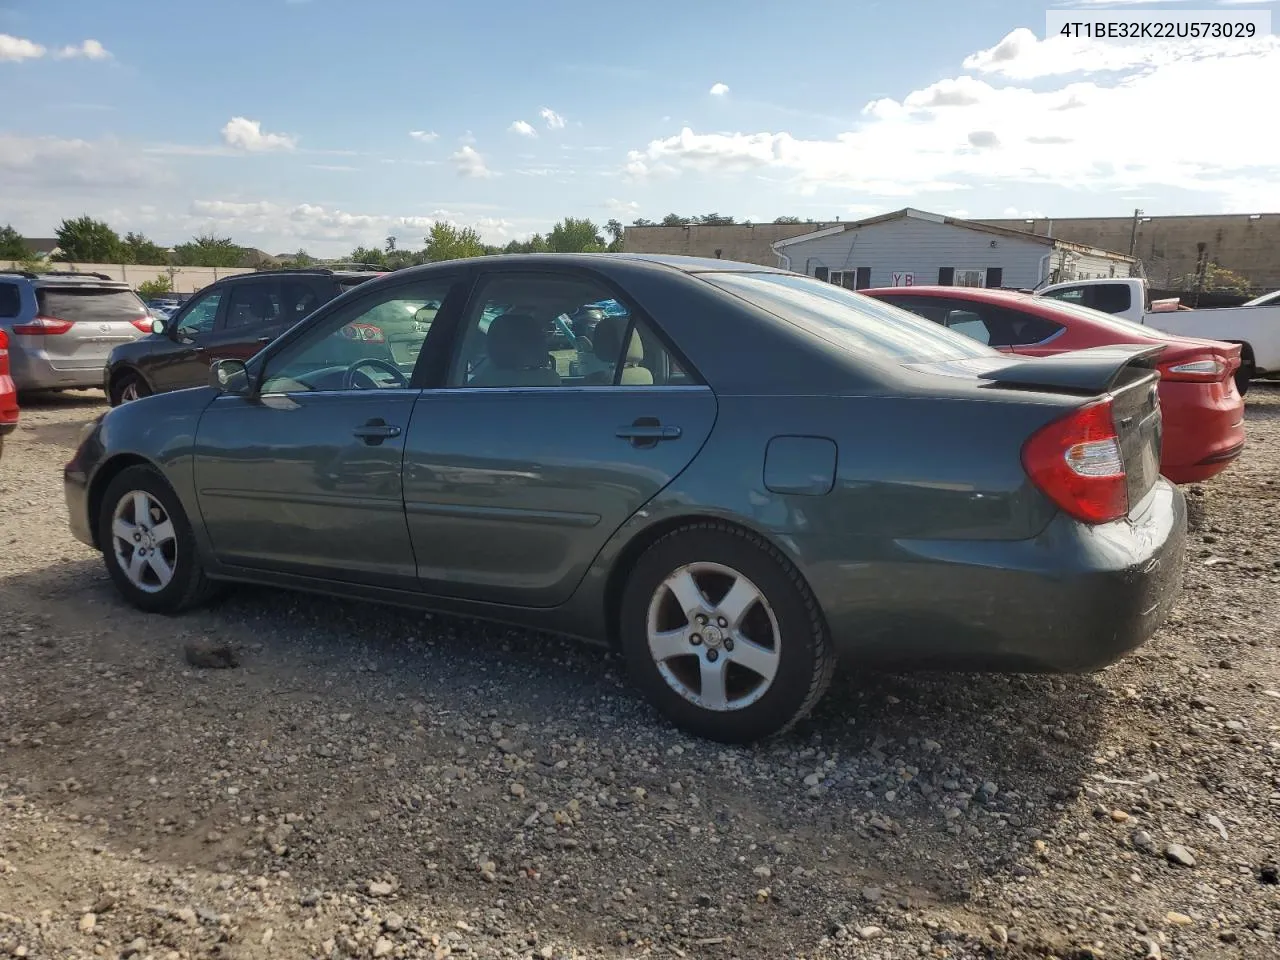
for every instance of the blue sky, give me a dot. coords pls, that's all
(291, 123)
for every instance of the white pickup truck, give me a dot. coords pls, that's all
(1255, 326)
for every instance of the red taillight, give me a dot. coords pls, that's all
(363, 331)
(4, 344)
(1076, 462)
(143, 324)
(42, 326)
(1199, 368)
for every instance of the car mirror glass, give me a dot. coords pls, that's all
(157, 326)
(230, 376)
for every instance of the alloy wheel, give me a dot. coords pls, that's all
(713, 636)
(143, 541)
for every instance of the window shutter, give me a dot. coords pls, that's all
(995, 276)
(864, 278)
(946, 276)
(820, 273)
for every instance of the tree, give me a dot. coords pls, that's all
(369, 255)
(535, 244)
(1216, 280)
(616, 232)
(572, 235)
(713, 220)
(675, 220)
(208, 250)
(151, 289)
(138, 249)
(299, 260)
(447, 242)
(787, 220)
(642, 222)
(12, 246)
(391, 244)
(85, 240)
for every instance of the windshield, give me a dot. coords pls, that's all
(849, 320)
(1110, 320)
(89, 304)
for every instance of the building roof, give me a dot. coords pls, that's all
(912, 213)
(42, 245)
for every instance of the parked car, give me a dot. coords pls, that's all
(1256, 327)
(1271, 299)
(1203, 412)
(774, 471)
(8, 393)
(231, 318)
(61, 326)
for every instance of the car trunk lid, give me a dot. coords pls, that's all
(93, 319)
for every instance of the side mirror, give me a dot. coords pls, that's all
(157, 326)
(230, 376)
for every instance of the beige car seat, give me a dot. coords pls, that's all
(607, 343)
(517, 347)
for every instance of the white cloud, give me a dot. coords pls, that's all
(29, 164)
(553, 120)
(424, 136)
(522, 127)
(719, 89)
(471, 163)
(88, 50)
(622, 208)
(967, 133)
(17, 49)
(247, 135)
(1013, 213)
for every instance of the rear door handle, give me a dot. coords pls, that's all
(647, 431)
(375, 431)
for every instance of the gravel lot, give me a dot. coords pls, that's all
(374, 783)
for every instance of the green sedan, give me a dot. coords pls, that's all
(751, 476)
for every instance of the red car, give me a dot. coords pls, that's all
(8, 393)
(1203, 411)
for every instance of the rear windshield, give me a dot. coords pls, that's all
(89, 304)
(847, 319)
(346, 283)
(1108, 320)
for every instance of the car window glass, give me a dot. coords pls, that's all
(1068, 295)
(10, 302)
(253, 305)
(970, 324)
(86, 304)
(1111, 297)
(200, 318)
(298, 299)
(547, 330)
(369, 343)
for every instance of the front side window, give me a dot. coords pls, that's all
(546, 330)
(370, 343)
(202, 315)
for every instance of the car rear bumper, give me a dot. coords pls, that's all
(32, 370)
(1203, 429)
(1073, 599)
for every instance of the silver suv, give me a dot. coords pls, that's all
(62, 326)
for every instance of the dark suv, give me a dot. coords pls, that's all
(231, 318)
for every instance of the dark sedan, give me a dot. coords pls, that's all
(754, 473)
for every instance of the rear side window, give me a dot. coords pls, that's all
(855, 322)
(89, 304)
(1110, 298)
(10, 301)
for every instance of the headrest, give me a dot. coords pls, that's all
(516, 341)
(607, 341)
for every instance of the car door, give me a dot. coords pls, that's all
(304, 476)
(251, 320)
(526, 459)
(186, 363)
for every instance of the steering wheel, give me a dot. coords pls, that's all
(349, 378)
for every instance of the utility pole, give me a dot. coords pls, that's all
(1133, 234)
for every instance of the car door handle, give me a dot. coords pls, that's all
(375, 431)
(646, 431)
(264, 339)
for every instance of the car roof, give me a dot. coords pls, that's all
(985, 294)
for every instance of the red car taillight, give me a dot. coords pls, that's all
(42, 326)
(4, 353)
(143, 324)
(1200, 368)
(1076, 462)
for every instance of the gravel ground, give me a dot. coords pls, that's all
(367, 782)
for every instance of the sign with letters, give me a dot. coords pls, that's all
(903, 279)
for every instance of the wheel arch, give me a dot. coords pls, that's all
(126, 370)
(102, 479)
(629, 555)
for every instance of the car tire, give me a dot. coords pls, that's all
(128, 386)
(1244, 377)
(761, 659)
(140, 511)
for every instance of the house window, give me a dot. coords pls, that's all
(856, 279)
(970, 278)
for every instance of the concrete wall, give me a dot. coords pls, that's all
(919, 247)
(183, 279)
(749, 244)
(1168, 246)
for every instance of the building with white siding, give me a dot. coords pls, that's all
(909, 247)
